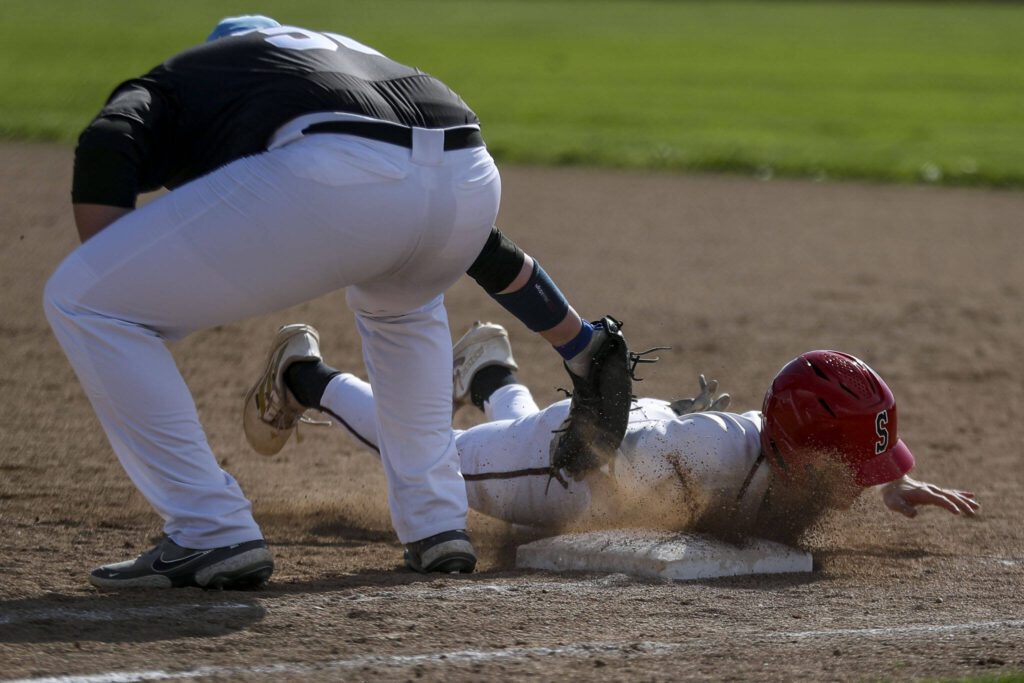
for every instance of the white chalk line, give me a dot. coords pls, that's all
(392, 661)
(72, 615)
(481, 656)
(926, 629)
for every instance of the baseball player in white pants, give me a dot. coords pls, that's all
(300, 163)
(675, 454)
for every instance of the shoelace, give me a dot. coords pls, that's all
(310, 421)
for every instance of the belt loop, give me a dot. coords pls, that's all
(427, 146)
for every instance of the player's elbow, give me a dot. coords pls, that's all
(91, 218)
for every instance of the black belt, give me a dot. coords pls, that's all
(454, 138)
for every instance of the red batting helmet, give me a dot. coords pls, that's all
(830, 402)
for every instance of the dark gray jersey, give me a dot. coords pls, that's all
(220, 101)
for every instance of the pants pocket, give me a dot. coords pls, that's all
(339, 160)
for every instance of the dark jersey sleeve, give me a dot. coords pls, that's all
(118, 154)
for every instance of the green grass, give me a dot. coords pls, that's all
(988, 678)
(884, 90)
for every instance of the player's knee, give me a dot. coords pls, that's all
(499, 263)
(53, 298)
(61, 294)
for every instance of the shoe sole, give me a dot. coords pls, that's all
(453, 564)
(263, 438)
(250, 569)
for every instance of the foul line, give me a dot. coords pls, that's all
(903, 630)
(455, 657)
(476, 656)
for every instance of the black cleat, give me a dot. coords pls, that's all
(241, 566)
(448, 553)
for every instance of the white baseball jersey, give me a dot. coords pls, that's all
(664, 458)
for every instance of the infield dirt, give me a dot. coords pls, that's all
(737, 275)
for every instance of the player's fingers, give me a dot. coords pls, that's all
(966, 494)
(966, 504)
(933, 495)
(960, 499)
(945, 501)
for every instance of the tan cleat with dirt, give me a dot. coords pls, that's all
(484, 345)
(271, 411)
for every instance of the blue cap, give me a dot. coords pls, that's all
(247, 22)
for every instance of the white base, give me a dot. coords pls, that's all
(664, 554)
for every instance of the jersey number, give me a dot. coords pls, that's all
(294, 38)
(882, 430)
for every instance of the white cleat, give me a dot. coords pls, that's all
(485, 344)
(271, 411)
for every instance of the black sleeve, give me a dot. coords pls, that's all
(117, 155)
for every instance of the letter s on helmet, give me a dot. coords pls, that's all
(830, 402)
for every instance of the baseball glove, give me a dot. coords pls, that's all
(599, 412)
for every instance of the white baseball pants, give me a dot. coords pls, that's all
(516, 437)
(258, 235)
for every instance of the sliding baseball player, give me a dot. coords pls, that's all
(828, 429)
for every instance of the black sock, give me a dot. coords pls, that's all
(485, 382)
(308, 379)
